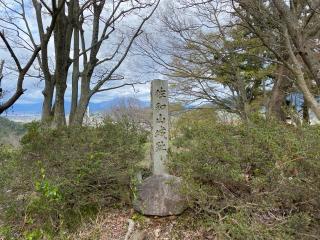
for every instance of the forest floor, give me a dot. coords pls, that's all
(113, 225)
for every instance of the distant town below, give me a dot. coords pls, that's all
(25, 113)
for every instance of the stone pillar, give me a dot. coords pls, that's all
(159, 194)
(160, 125)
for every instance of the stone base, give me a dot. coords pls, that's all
(159, 195)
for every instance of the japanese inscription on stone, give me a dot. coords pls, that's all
(160, 125)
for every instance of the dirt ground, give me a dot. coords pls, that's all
(113, 225)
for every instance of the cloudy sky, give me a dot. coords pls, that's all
(133, 68)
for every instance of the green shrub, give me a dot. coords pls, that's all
(68, 174)
(256, 181)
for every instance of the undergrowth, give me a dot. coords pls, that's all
(249, 181)
(62, 177)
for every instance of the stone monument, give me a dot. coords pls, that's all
(159, 194)
(160, 125)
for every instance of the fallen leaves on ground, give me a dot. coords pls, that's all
(113, 225)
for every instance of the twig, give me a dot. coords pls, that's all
(130, 229)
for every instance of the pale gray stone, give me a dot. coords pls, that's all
(139, 235)
(159, 195)
(160, 125)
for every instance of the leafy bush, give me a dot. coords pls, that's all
(66, 175)
(255, 181)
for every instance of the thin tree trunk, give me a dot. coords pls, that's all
(89, 66)
(277, 100)
(300, 79)
(81, 111)
(84, 97)
(305, 112)
(310, 99)
(48, 91)
(76, 71)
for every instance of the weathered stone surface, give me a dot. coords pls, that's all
(139, 235)
(159, 195)
(160, 125)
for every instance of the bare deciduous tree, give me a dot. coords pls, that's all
(131, 110)
(94, 37)
(209, 58)
(107, 20)
(11, 35)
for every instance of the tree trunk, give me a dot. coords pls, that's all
(61, 86)
(277, 101)
(301, 82)
(47, 113)
(76, 71)
(62, 40)
(59, 110)
(305, 112)
(85, 96)
(81, 111)
(310, 99)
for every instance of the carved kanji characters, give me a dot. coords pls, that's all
(161, 119)
(160, 106)
(161, 146)
(161, 93)
(161, 132)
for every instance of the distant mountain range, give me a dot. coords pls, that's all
(35, 108)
